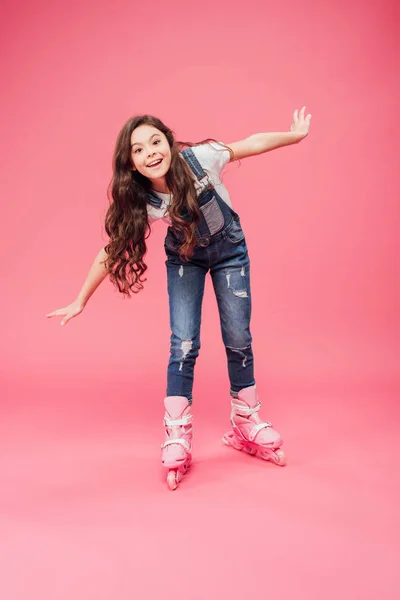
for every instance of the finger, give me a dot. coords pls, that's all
(302, 112)
(295, 115)
(57, 313)
(65, 320)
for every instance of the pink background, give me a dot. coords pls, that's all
(84, 509)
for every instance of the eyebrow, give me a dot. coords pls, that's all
(139, 143)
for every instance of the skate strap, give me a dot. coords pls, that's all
(180, 441)
(246, 411)
(256, 429)
(185, 420)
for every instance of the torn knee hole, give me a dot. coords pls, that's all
(240, 293)
(241, 354)
(186, 347)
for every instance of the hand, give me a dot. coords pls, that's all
(69, 312)
(300, 123)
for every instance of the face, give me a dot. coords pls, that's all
(150, 152)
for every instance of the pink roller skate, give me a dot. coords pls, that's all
(249, 432)
(177, 448)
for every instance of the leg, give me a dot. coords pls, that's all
(185, 289)
(231, 281)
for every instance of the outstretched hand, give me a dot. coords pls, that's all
(68, 312)
(301, 123)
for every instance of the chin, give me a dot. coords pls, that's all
(162, 173)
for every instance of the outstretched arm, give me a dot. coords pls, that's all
(264, 142)
(96, 275)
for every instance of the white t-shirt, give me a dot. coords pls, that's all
(212, 157)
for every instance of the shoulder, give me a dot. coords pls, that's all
(212, 156)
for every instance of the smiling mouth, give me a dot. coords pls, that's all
(155, 163)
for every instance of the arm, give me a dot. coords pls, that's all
(264, 142)
(97, 273)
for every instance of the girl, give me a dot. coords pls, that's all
(156, 177)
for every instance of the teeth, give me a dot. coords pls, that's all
(154, 163)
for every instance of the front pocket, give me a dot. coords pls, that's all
(213, 216)
(171, 243)
(234, 232)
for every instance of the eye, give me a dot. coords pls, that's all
(138, 150)
(157, 141)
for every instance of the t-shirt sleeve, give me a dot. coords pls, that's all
(213, 156)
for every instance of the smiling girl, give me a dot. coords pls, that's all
(156, 177)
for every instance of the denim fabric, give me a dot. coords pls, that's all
(221, 250)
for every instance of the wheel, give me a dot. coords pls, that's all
(230, 439)
(227, 439)
(172, 480)
(279, 458)
(250, 450)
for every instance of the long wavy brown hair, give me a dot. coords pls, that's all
(126, 221)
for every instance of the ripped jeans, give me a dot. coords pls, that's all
(227, 259)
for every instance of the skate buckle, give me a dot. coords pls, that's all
(185, 420)
(245, 411)
(258, 428)
(180, 441)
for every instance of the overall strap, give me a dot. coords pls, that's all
(194, 164)
(154, 200)
(198, 171)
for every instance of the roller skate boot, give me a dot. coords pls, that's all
(249, 432)
(177, 449)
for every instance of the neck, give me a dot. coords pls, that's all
(160, 185)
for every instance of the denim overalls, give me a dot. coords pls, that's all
(223, 252)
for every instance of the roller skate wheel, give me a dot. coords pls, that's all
(172, 480)
(230, 439)
(280, 458)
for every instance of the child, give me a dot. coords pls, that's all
(156, 177)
